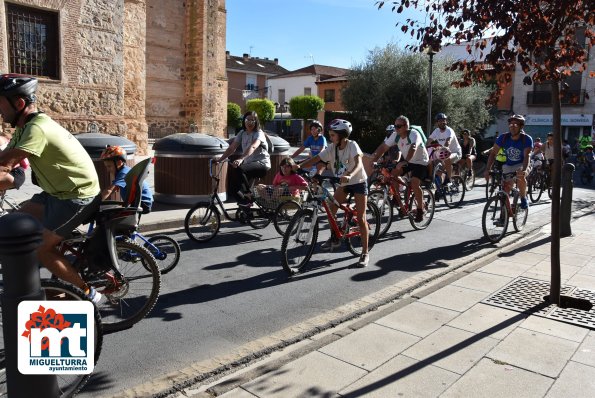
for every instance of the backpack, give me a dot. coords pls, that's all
(420, 132)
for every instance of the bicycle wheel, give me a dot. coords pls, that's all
(258, 217)
(429, 207)
(469, 179)
(166, 251)
(385, 209)
(202, 222)
(453, 193)
(283, 215)
(354, 244)
(519, 219)
(535, 187)
(68, 384)
(494, 220)
(129, 297)
(299, 241)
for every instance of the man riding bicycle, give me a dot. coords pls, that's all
(517, 145)
(64, 171)
(446, 137)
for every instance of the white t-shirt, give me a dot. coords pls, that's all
(442, 136)
(343, 161)
(420, 156)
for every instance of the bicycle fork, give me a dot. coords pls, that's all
(312, 224)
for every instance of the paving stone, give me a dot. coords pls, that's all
(315, 374)
(490, 379)
(573, 258)
(576, 380)
(238, 393)
(452, 349)
(482, 317)
(371, 346)
(454, 298)
(583, 281)
(586, 351)
(506, 268)
(535, 351)
(555, 328)
(418, 319)
(588, 269)
(545, 268)
(402, 376)
(524, 257)
(483, 281)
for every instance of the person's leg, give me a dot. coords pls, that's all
(361, 202)
(248, 172)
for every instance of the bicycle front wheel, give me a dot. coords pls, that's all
(535, 187)
(202, 222)
(283, 215)
(299, 241)
(385, 209)
(454, 192)
(131, 292)
(166, 251)
(519, 219)
(491, 187)
(494, 220)
(354, 244)
(429, 205)
(68, 384)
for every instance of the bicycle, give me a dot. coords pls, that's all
(494, 181)
(56, 290)
(203, 220)
(537, 182)
(498, 210)
(300, 237)
(385, 193)
(586, 175)
(468, 175)
(452, 193)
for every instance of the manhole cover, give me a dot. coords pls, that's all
(526, 295)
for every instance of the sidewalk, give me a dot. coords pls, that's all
(443, 341)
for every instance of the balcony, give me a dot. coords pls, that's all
(544, 98)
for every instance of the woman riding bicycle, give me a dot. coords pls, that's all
(345, 159)
(255, 160)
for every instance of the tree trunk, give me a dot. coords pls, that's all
(556, 178)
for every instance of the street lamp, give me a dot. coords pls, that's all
(430, 51)
(281, 108)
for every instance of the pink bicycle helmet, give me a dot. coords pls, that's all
(441, 153)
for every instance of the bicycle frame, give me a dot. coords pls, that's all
(393, 185)
(214, 199)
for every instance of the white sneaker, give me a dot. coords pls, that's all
(363, 260)
(94, 295)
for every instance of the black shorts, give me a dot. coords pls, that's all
(359, 188)
(19, 177)
(417, 170)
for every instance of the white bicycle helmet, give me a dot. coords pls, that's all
(342, 127)
(390, 128)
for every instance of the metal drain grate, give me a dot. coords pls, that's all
(525, 294)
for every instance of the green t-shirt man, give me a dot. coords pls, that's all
(62, 166)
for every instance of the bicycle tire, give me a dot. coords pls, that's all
(494, 219)
(202, 222)
(429, 204)
(385, 209)
(454, 192)
(492, 187)
(373, 219)
(469, 179)
(126, 304)
(68, 384)
(535, 188)
(284, 214)
(296, 252)
(519, 218)
(258, 218)
(166, 251)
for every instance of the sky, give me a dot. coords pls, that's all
(303, 32)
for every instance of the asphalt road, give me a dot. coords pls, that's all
(232, 290)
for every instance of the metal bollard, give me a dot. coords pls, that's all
(566, 200)
(20, 236)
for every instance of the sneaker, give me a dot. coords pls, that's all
(524, 204)
(363, 260)
(419, 216)
(94, 295)
(331, 244)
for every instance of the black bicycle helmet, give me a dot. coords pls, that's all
(441, 116)
(13, 85)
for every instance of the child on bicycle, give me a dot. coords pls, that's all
(345, 159)
(114, 159)
(316, 142)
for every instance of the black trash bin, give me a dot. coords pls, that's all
(95, 143)
(182, 167)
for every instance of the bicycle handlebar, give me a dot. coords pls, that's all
(213, 161)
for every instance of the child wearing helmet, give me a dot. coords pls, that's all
(345, 159)
(316, 142)
(114, 160)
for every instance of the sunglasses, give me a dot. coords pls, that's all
(398, 126)
(251, 120)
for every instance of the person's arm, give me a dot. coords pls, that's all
(382, 148)
(298, 151)
(107, 192)
(249, 151)
(526, 159)
(491, 158)
(230, 149)
(309, 162)
(358, 165)
(11, 158)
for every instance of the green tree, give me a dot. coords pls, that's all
(392, 82)
(305, 107)
(264, 108)
(234, 115)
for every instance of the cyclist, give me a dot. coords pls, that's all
(583, 142)
(345, 159)
(446, 136)
(548, 151)
(414, 159)
(114, 160)
(468, 150)
(537, 157)
(64, 171)
(255, 160)
(316, 142)
(517, 145)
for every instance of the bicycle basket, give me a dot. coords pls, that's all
(271, 196)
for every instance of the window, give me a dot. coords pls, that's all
(307, 91)
(251, 82)
(281, 95)
(32, 41)
(329, 95)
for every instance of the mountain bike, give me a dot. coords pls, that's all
(537, 182)
(203, 220)
(388, 193)
(498, 210)
(468, 175)
(56, 290)
(453, 192)
(300, 237)
(494, 182)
